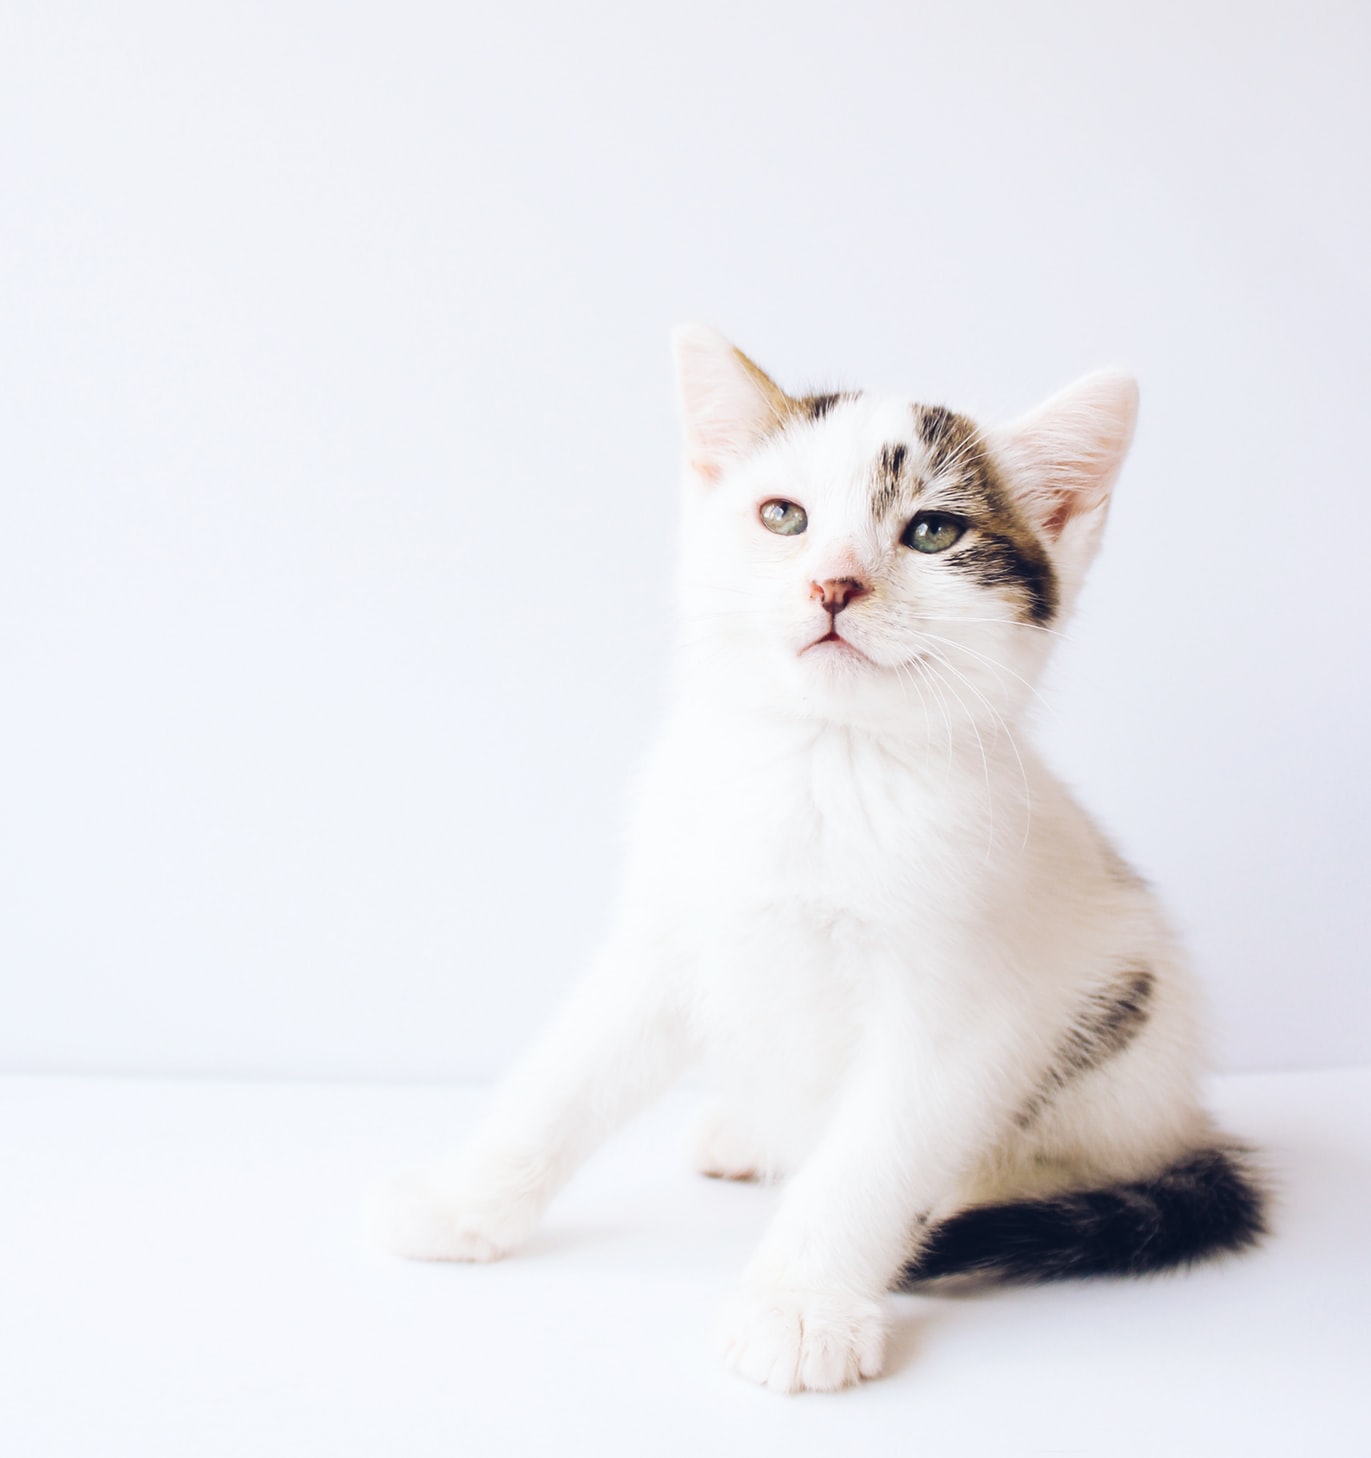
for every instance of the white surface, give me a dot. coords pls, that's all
(337, 470)
(182, 1274)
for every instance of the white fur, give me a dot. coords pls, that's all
(854, 893)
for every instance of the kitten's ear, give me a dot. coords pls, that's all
(1064, 457)
(727, 403)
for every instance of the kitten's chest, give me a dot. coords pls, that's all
(791, 869)
(823, 822)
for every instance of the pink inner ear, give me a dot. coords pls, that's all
(727, 403)
(1064, 457)
(1055, 524)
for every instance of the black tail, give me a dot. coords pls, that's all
(1206, 1204)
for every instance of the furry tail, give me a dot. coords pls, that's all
(1206, 1204)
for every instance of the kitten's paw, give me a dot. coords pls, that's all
(430, 1216)
(718, 1150)
(791, 1341)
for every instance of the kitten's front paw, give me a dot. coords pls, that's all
(718, 1149)
(432, 1216)
(792, 1340)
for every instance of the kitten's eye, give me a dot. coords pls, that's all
(783, 517)
(933, 531)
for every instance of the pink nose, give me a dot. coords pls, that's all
(836, 592)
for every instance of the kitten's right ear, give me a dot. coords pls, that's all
(727, 403)
(1064, 457)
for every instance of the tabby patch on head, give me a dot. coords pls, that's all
(890, 487)
(998, 547)
(954, 545)
(1002, 549)
(815, 407)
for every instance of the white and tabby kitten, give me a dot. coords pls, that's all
(922, 985)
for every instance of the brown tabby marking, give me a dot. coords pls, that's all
(1104, 1027)
(1003, 550)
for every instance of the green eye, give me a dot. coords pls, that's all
(783, 517)
(933, 531)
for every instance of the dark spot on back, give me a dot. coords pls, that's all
(1103, 1027)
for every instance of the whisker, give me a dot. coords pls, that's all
(1009, 734)
(1008, 622)
(907, 677)
(985, 761)
(986, 659)
(935, 685)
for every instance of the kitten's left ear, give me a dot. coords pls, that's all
(728, 404)
(1063, 458)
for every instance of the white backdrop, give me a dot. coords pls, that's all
(337, 461)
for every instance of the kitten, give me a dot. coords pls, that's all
(922, 984)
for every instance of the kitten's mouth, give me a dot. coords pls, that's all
(840, 644)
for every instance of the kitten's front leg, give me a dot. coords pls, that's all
(920, 1104)
(722, 1147)
(616, 1044)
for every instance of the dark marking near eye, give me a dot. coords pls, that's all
(1111, 1018)
(1001, 561)
(1002, 550)
(888, 469)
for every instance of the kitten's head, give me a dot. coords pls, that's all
(865, 560)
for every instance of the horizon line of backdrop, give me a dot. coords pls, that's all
(338, 468)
